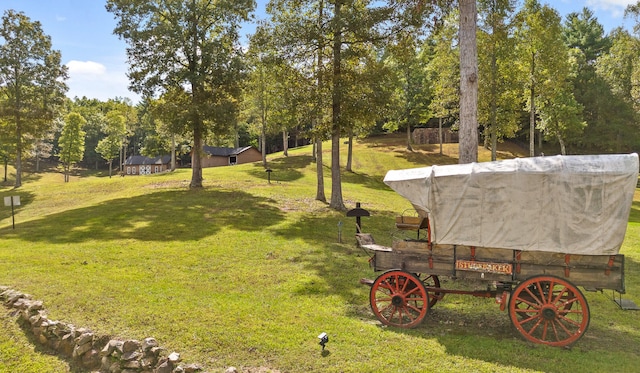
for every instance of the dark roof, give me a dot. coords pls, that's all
(135, 160)
(223, 152)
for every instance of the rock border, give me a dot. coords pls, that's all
(89, 350)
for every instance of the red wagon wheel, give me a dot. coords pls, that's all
(434, 282)
(399, 299)
(549, 310)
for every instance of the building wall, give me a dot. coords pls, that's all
(247, 156)
(148, 169)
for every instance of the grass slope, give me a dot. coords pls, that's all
(245, 273)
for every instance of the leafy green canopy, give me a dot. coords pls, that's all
(31, 82)
(189, 50)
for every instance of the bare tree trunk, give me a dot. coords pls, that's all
(563, 148)
(173, 154)
(285, 142)
(196, 159)
(18, 153)
(336, 181)
(440, 133)
(349, 152)
(317, 145)
(409, 148)
(493, 130)
(532, 113)
(468, 146)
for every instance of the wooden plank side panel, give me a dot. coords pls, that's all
(590, 271)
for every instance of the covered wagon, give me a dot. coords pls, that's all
(535, 228)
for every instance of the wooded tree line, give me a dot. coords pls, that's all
(324, 70)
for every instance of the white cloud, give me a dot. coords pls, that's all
(94, 80)
(86, 68)
(615, 7)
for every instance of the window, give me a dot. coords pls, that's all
(156, 169)
(128, 170)
(233, 159)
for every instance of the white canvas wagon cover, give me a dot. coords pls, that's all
(563, 204)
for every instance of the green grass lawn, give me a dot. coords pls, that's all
(245, 273)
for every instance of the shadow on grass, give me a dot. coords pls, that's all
(159, 216)
(283, 169)
(634, 215)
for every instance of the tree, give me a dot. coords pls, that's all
(109, 149)
(468, 82)
(71, 142)
(544, 59)
(498, 104)
(601, 112)
(31, 81)
(444, 71)
(410, 102)
(620, 72)
(189, 48)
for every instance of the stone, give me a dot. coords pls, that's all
(84, 338)
(174, 357)
(67, 345)
(110, 347)
(157, 351)
(79, 350)
(34, 305)
(148, 361)
(132, 355)
(192, 368)
(130, 345)
(149, 343)
(165, 367)
(133, 364)
(91, 359)
(231, 370)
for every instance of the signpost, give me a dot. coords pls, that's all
(12, 201)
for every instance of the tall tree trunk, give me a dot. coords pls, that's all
(18, 154)
(285, 142)
(173, 153)
(468, 145)
(493, 130)
(196, 158)
(349, 151)
(320, 196)
(563, 148)
(440, 133)
(336, 98)
(532, 112)
(263, 116)
(409, 147)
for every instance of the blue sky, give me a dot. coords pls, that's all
(83, 31)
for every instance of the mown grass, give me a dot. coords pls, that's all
(245, 273)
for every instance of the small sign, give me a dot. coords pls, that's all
(485, 267)
(8, 201)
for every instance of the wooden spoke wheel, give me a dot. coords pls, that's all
(434, 282)
(549, 310)
(399, 299)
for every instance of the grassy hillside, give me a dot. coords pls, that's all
(245, 273)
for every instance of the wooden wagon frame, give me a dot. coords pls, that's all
(538, 288)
